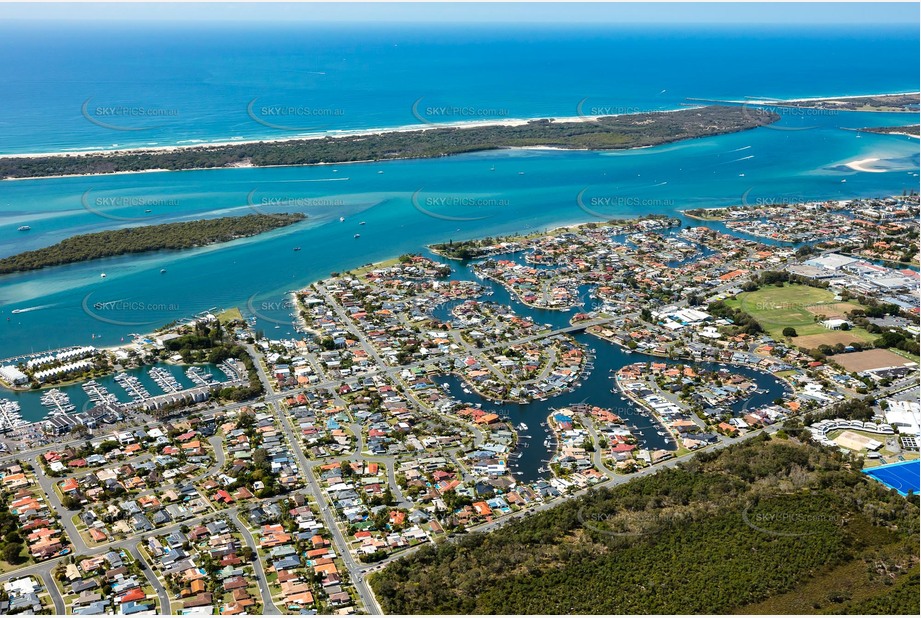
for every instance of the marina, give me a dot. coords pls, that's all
(132, 385)
(57, 402)
(98, 394)
(199, 377)
(568, 365)
(10, 417)
(165, 380)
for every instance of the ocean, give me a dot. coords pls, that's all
(351, 78)
(157, 86)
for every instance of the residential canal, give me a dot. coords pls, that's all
(536, 443)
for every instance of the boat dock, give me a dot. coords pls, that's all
(10, 418)
(97, 393)
(165, 380)
(133, 387)
(57, 402)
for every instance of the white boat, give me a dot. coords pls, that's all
(341, 219)
(361, 223)
(162, 270)
(357, 235)
(24, 228)
(102, 276)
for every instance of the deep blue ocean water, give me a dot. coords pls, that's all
(195, 83)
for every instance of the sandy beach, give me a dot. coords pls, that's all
(767, 101)
(861, 166)
(469, 124)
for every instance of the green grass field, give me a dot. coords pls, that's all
(229, 315)
(797, 306)
(904, 354)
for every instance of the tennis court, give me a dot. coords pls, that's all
(903, 476)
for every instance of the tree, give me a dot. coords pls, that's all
(70, 503)
(11, 553)
(789, 332)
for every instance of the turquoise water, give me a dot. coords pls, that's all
(216, 84)
(503, 192)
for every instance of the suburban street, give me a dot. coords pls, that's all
(268, 607)
(357, 571)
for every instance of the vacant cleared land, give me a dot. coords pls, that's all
(831, 338)
(869, 359)
(857, 442)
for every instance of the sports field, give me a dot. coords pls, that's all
(903, 477)
(799, 306)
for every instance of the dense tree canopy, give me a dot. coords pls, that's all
(608, 133)
(111, 243)
(724, 531)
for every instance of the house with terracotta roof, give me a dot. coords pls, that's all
(134, 594)
(97, 535)
(482, 509)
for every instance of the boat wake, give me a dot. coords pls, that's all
(737, 160)
(28, 309)
(342, 179)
